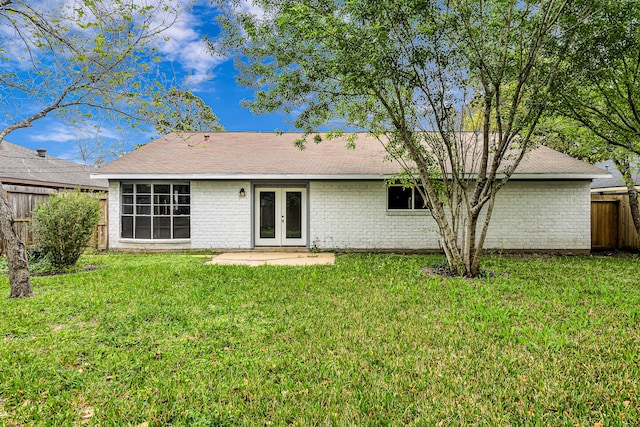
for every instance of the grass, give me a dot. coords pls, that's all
(165, 340)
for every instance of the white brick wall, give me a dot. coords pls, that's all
(352, 215)
(220, 218)
(114, 214)
(541, 215)
(527, 215)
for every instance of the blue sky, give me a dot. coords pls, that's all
(211, 78)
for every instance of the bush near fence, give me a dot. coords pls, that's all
(23, 199)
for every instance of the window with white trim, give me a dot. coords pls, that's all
(155, 210)
(404, 198)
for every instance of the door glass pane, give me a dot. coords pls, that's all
(267, 214)
(294, 214)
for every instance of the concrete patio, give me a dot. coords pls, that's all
(255, 259)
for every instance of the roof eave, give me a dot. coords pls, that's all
(52, 184)
(617, 189)
(559, 176)
(257, 176)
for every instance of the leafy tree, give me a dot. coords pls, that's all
(64, 225)
(408, 72)
(599, 89)
(79, 60)
(181, 111)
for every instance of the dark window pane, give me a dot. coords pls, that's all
(420, 202)
(143, 188)
(143, 227)
(182, 210)
(162, 199)
(127, 188)
(181, 228)
(399, 198)
(143, 199)
(184, 200)
(143, 210)
(161, 228)
(162, 210)
(162, 189)
(127, 227)
(127, 209)
(294, 214)
(181, 189)
(267, 214)
(128, 199)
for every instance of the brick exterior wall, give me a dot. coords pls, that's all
(220, 218)
(533, 215)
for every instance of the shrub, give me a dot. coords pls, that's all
(64, 225)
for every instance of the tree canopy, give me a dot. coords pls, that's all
(597, 111)
(81, 60)
(411, 72)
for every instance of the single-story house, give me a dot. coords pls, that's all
(243, 190)
(29, 177)
(611, 222)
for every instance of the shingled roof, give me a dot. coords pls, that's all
(615, 182)
(256, 155)
(20, 165)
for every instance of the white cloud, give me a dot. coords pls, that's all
(184, 44)
(61, 133)
(247, 6)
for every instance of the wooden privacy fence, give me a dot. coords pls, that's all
(23, 199)
(611, 223)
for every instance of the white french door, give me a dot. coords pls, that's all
(280, 216)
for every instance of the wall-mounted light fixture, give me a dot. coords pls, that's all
(242, 193)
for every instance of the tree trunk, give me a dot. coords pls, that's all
(16, 252)
(634, 206)
(625, 169)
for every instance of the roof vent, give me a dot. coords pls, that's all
(42, 152)
(206, 138)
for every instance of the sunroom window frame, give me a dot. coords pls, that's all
(153, 217)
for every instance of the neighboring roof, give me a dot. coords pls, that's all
(256, 155)
(20, 165)
(615, 181)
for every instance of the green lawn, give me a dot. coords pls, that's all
(166, 340)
